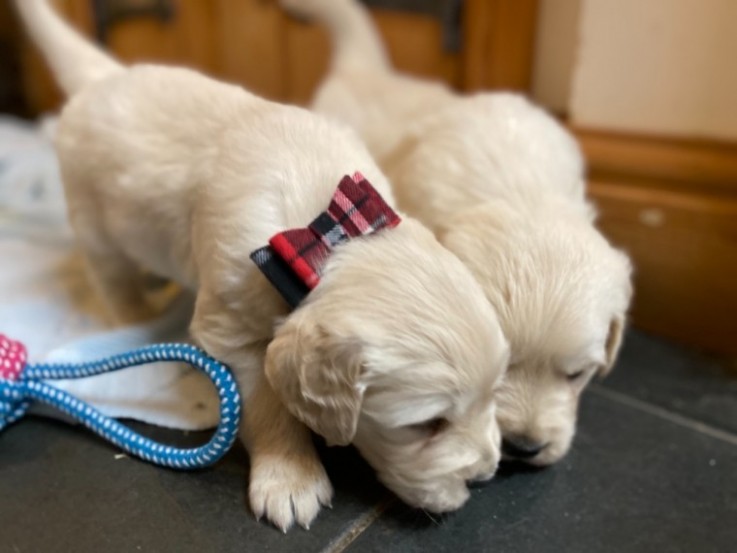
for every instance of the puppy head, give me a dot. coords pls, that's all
(397, 352)
(561, 292)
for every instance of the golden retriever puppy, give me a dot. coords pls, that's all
(502, 186)
(395, 350)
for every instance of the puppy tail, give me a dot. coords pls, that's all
(74, 61)
(356, 40)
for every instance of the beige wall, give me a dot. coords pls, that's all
(650, 66)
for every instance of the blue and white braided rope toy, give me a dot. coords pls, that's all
(22, 383)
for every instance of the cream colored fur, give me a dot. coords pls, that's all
(168, 170)
(501, 184)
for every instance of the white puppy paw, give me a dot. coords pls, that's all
(286, 490)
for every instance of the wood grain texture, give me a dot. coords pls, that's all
(187, 39)
(306, 60)
(252, 42)
(672, 205)
(251, 45)
(414, 42)
(499, 43)
(709, 165)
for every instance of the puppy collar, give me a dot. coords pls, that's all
(294, 259)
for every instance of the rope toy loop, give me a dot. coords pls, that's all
(21, 384)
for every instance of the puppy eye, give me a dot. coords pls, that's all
(575, 376)
(432, 426)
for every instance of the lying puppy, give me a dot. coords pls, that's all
(502, 186)
(395, 350)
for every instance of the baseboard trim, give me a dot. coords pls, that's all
(672, 205)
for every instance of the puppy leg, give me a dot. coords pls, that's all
(119, 284)
(118, 280)
(288, 482)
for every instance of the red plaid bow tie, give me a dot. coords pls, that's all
(294, 259)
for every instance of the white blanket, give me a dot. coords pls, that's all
(46, 302)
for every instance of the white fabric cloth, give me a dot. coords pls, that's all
(46, 302)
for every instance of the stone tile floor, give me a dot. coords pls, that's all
(653, 468)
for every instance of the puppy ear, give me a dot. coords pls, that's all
(316, 375)
(613, 342)
(617, 324)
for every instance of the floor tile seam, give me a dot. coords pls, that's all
(666, 414)
(358, 527)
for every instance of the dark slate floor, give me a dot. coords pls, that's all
(654, 468)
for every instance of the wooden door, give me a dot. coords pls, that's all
(253, 43)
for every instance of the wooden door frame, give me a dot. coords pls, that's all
(499, 44)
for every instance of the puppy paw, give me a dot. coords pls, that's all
(286, 490)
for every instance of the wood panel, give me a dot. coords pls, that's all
(306, 60)
(710, 165)
(672, 205)
(684, 249)
(414, 42)
(188, 38)
(499, 44)
(253, 43)
(240, 41)
(251, 38)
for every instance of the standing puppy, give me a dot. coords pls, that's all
(502, 186)
(394, 350)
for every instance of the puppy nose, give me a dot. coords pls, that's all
(521, 448)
